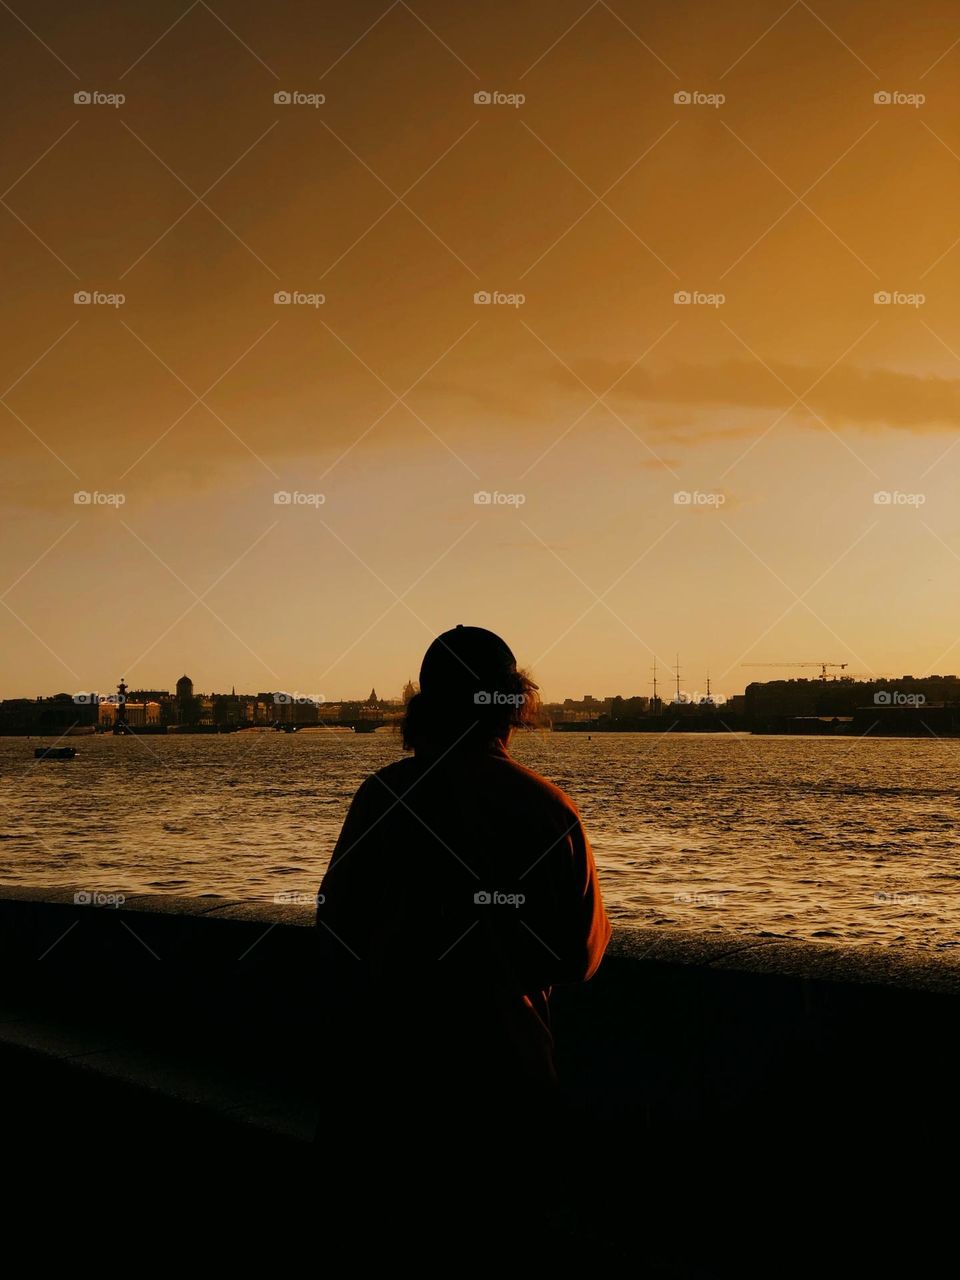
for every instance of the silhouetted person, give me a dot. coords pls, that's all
(462, 888)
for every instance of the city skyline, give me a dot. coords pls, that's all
(667, 689)
(824, 705)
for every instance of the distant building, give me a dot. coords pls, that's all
(140, 714)
(55, 714)
(19, 715)
(188, 707)
(769, 700)
(586, 710)
(626, 709)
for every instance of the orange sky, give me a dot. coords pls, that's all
(597, 400)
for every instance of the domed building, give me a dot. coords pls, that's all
(187, 710)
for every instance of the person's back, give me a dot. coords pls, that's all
(465, 887)
(462, 889)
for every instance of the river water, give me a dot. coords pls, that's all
(852, 840)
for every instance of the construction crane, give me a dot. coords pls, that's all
(822, 665)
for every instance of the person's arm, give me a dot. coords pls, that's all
(343, 901)
(344, 908)
(587, 927)
(596, 926)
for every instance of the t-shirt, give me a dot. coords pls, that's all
(461, 889)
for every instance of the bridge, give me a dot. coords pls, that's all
(367, 720)
(368, 725)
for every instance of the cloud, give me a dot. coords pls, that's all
(848, 395)
(687, 433)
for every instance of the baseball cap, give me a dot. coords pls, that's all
(464, 660)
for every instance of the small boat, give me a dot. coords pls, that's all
(54, 753)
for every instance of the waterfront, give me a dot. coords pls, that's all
(798, 837)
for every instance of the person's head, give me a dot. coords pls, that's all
(471, 693)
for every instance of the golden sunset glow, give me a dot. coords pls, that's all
(584, 410)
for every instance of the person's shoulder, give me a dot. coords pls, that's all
(534, 784)
(405, 767)
(380, 791)
(393, 777)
